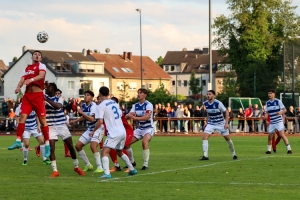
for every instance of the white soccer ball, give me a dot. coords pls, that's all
(42, 37)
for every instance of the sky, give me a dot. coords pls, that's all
(73, 25)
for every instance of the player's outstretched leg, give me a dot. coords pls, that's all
(124, 157)
(231, 147)
(69, 143)
(79, 148)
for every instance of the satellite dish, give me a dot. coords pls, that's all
(184, 49)
(107, 50)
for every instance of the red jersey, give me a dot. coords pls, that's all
(32, 71)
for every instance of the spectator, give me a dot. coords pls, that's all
(179, 114)
(231, 116)
(163, 113)
(17, 103)
(65, 105)
(10, 125)
(124, 110)
(10, 103)
(197, 124)
(186, 113)
(290, 122)
(172, 114)
(2, 125)
(298, 118)
(11, 114)
(191, 110)
(203, 114)
(4, 108)
(175, 107)
(168, 107)
(249, 113)
(67, 118)
(257, 114)
(71, 114)
(241, 116)
(155, 114)
(69, 106)
(264, 121)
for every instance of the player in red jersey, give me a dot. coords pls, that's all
(33, 99)
(129, 136)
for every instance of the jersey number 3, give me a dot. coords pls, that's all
(116, 113)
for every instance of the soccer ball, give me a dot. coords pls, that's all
(42, 37)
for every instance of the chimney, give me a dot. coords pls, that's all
(205, 50)
(88, 52)
(129, 56)
(124, 55)
(84, 52)
(24, 48)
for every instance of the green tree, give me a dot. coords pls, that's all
(252, 37)
(160, 95)
(124, 95)
(159, 60)
(229, 89)
(15, 59)
(194, 84)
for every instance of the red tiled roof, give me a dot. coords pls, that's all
(3, 67)
(150, 69)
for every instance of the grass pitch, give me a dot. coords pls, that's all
(175, 172)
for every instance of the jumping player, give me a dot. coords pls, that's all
(88, 113)
(275, 108)
(58, 127)
(216, 122)
(33, 99)
(109, 112)
(142, 112)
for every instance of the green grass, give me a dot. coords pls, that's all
(175, 172)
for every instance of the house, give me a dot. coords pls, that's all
(73, 72)
(3, 69)
(180, 64)
(126, 68)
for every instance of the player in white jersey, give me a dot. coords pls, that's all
(57, 127)
(32, 127)
(143, 113)
(275, 108)
(215, 110)
(87, 112)
(108, 111)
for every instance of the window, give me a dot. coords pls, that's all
(129, 70)
(203, 82)
(173, 83)
(86, 85)
(115, 69)
(71, 85)
(185, 83)
(132, 86)
(120, 86)
(172, 68)
(166, 68)
(150, 86)
(179, 83)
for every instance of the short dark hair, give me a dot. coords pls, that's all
(272, 90)
(143, 90)
(53, 85)
(89, 92)
(212, 91)
(115, 99)
(36, 51)
(104, 91)
(58, 90)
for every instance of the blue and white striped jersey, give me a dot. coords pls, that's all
(30, 123)
(272, 107)
(54, 116)
(90, 110)
(215, 112)
(140, 110)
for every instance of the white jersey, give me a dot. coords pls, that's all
(109, 111)
(140, 110)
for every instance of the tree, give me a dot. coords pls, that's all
(160, 95)
(15, 59)
(229, 89)
(124, 88)
(159, 60)
(194, 84)
(96, 51)
(252, 37)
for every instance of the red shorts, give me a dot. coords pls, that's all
(129, 136)
(33, 101)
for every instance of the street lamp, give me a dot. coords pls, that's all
(140, 11)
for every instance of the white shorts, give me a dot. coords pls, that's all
(60, 130)
(140, 133)
(97, 137)
(117, 142)
(33, 132)
(219, 128)
(273, 127)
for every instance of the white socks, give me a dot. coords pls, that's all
(84, 158)
(75, 162)
(53, 165)
(288, 147)
(98, 160)
(105, 162)
(126, 160)
(269, 147)
(205, 147)
(130, 154)
(146, 155)
(25, 153)
(231, 147)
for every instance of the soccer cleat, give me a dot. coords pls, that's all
(54, 174)
(289, 152)
(37, 151)
(47, 162)
(127, 170)
(67, 155)
(107, 176)
(47, 150)
(274, 151)
(79, 171)
(145, 168)
(268, 152)
(204, 158)
(115, 169)
(131, 173)
(235, 157)
(15, 145)
(98, 170)
(24, 162)
(88, 168)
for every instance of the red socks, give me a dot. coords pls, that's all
(20, 130)
(113, 156)
(66, 148)
(45, 131)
